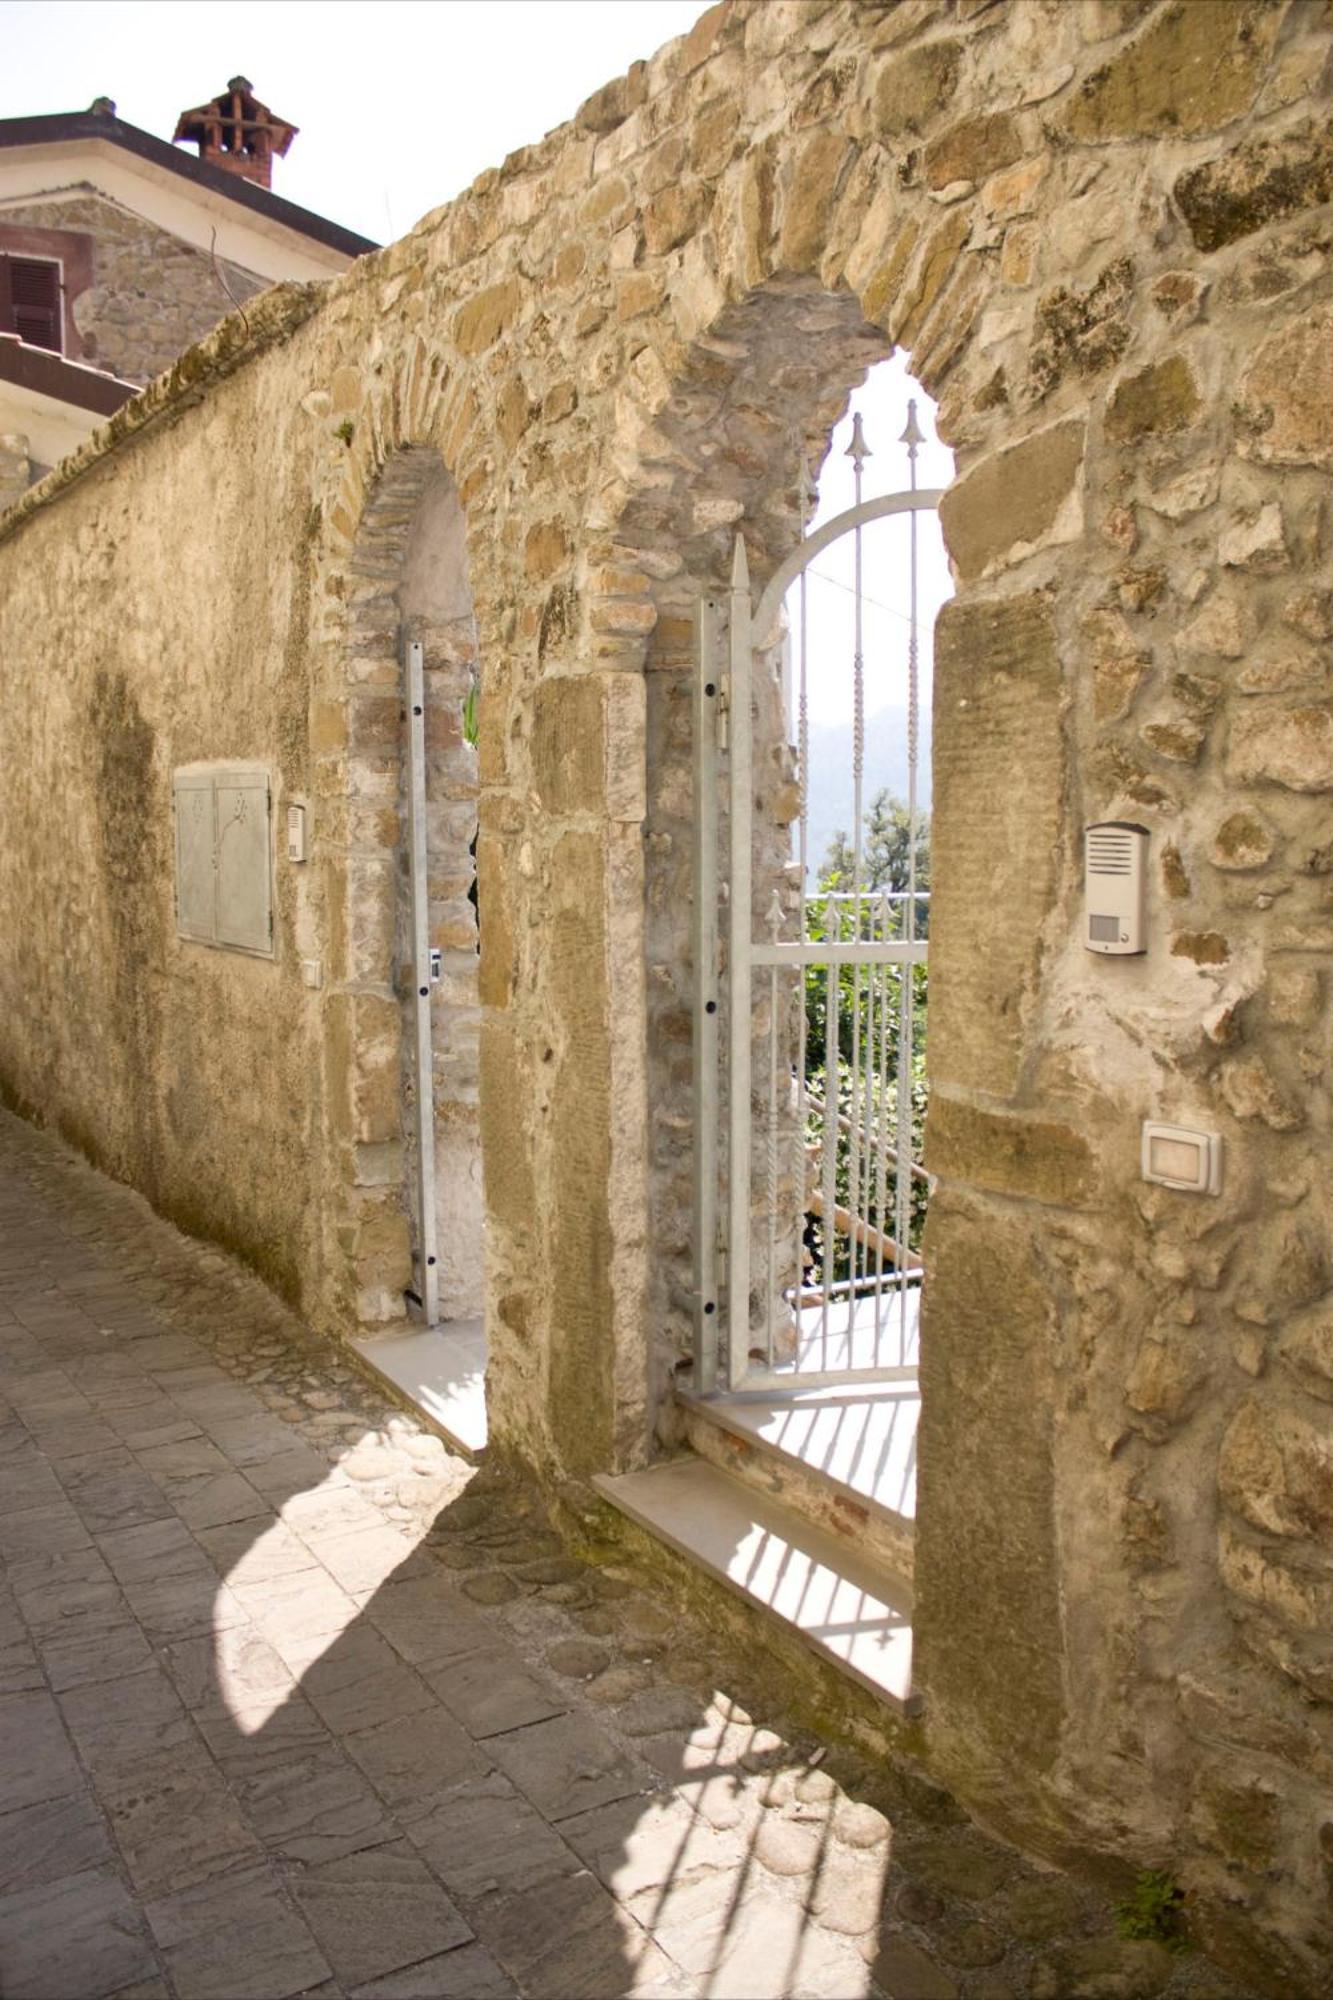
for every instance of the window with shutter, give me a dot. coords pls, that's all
(30, 301)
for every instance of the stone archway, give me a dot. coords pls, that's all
(406, 580)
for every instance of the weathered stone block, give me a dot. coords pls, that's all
(361, 1046)
(986, 1566)
(479, 323)
(1192, 69)
(1310, 612)
(498, 964)
(1009, 1153)
(582, 1406)
(1291, 747)
(374, 724)
(1157, 401)
(1259, 182)
(1287, 393)
(1252, 1091)
(1082, 329)
(1201, 947)
(1307, 1350)
(1218, 631)
(1179, 742)
(1256, 541)
(1167, 1373)
(1242, 1819)
(972, 150)
(1295, 995)
(911, 90)
(1021, 500)
(997, 700)
(1259, 1576)
(816, 173)
(1276, 1470)
(568, 748)
(934, 265)
(506, 1129)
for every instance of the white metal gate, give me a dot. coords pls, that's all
(804, 1159)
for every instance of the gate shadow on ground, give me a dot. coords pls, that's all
(265, 1745)
(444, 1805)
(257, 1740)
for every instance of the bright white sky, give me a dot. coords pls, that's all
(400, 103)
(882, 403)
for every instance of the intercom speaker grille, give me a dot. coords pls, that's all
(1104, 930)
(1110, 853)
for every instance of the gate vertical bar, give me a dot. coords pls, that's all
(429, 1277)
(705, 997)
(740, 939)
(912, 438)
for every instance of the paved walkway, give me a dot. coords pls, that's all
(293, 1702)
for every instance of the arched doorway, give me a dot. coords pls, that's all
(413, 932)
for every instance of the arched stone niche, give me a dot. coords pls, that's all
(406, 580)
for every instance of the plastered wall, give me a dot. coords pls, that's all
(1101, 230)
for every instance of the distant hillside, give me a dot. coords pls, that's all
(885, 765)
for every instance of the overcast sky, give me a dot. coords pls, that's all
(400, 103)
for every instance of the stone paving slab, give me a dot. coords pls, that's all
(293, 1702)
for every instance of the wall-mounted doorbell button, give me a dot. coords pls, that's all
(296, 833)
(1115, 868)
(1176, 1157)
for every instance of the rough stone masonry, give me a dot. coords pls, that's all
(1101, 231)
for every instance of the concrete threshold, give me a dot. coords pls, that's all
(846, 1453)
(440, 1372)
(849, 1611)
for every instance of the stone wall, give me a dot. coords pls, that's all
(151, 295)
(1101, 230)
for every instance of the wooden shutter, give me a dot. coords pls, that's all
(30, 301)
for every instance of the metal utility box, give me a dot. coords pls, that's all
(224, 857)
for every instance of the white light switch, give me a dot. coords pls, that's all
(1175, 1156)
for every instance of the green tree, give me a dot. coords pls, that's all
(885, 851)
(829, 914)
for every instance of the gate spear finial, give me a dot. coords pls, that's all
(913, 435)
(858, 449)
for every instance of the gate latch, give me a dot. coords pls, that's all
(436, 965)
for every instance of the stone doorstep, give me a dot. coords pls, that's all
(436, 1373)
(844, 1459)
(848, 1610)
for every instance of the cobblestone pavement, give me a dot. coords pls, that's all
(292, 1701)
